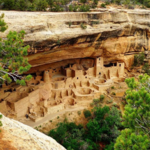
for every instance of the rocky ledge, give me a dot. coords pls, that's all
(112, 34)
(17, 136)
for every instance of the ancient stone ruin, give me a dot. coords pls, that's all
(59, 88)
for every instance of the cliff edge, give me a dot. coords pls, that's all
(17, 136)
(114, 34)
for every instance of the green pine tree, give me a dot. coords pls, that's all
(137, 110)
(129, 140)
(12, 61)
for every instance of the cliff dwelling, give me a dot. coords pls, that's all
(58, 88)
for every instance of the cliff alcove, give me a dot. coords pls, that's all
(70, 64)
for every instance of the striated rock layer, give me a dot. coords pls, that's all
(112, 34)
(17, 136)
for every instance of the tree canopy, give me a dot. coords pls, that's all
(101, 127)
(128, 140)
(12, 52)
(137, 110)
(136, 116)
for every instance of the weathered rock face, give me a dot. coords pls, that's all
(112, 34)
(16, 136)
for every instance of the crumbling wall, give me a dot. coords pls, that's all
(34, 97)
(21, 107)
(55, 109)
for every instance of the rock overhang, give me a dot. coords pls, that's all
(110, 33)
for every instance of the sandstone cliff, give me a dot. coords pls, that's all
(17, 136)
(110, 33)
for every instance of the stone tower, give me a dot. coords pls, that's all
(99, 66)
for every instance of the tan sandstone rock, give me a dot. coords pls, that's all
(17, 136)
(118, 33)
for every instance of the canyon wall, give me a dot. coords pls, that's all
(112, 34)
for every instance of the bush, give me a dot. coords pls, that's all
(127, 2)
(118, 2)
(42, 5)
(70, 23)
(87, 113)
(51, 3)
(102, 97)
(91, 104)
(103, 5)
(83, 26)
(94, 22)
(79, 113)
(95, 2)
(130, 6)
(107, 3)
(58, 42)
(73, 8)
(147, 3)
(21, 5)
(83, 1)
(96, 101)
(0, 121)
(112, 87)
(84, 8)
(9, 4)
(139, 59)
(113, 93)
(115, 105)
(146, 68)
(109, 101)
(143, 7)
(1, 124)
(57, 8)
(31, 7)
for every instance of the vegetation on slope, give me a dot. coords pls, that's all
(65, 5)
(43, 5)
(102, 126)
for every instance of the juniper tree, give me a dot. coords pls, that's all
(128, 140)
(136, 116)
(104, 125)
(12, 52)
(137, 110)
